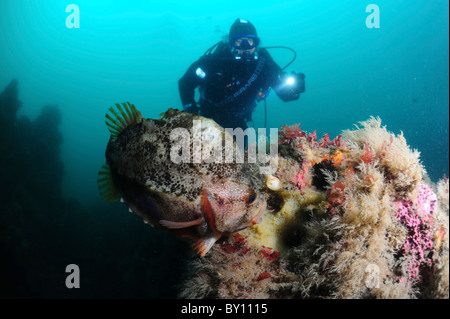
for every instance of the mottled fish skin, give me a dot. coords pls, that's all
(197, 201)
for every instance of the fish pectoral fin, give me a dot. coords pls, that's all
(207, 209)
(203, 245)
(178, 225)
(106, 186)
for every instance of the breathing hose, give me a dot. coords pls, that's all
(282, 69)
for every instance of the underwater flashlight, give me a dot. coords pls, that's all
(290, 80)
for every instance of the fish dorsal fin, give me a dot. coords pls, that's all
(121, 117)
(107, 189)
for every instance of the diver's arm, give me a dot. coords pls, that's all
(187, 85)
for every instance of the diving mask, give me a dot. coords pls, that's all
(244, 42)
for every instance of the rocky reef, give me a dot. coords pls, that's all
(41, 232)
(352, 217)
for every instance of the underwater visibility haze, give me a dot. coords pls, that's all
(58, 81)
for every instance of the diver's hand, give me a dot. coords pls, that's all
(290, 86)
(298, 85)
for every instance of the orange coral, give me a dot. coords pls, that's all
(336, 158)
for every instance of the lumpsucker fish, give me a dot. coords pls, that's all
(167, 185)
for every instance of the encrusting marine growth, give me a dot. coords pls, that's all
(352, 217)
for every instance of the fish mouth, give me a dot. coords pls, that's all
(208, 212)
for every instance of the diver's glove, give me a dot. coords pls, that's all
(299, 82)
(295, 82)
(191, 108)
(290, 86)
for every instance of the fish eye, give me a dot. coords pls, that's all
(251, 197)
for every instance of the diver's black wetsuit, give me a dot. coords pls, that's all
(229, 86)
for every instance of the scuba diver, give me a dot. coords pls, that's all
(231, 76)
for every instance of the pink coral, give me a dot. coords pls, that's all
(289, 133)
(301, 179)
(426, 200)
(325, 141)
(418, 220)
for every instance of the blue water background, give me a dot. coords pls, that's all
(137, 50)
